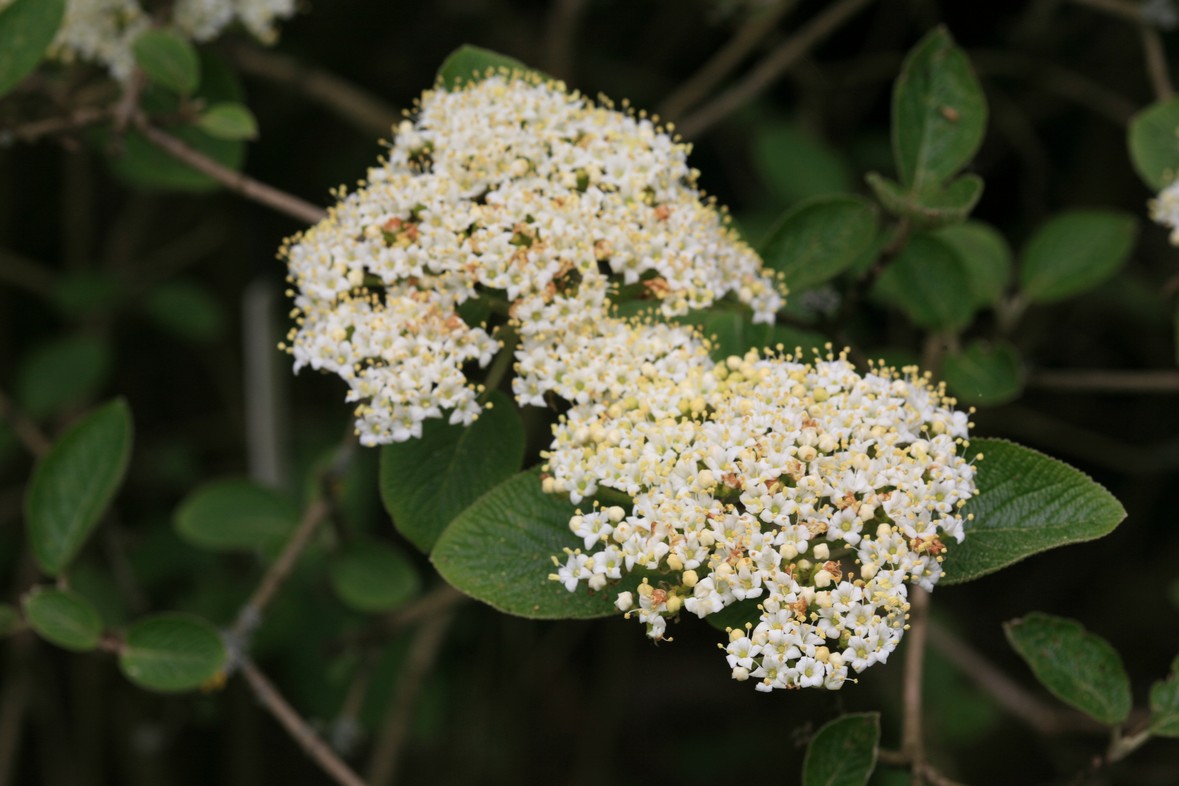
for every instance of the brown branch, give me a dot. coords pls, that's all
(1156, 63)
(245, 185)
(303, 734)
(51, 126)
(429, 605)
(778, 62)
(26, 430)
(912, 733)
(1151, 382)
(728, 57)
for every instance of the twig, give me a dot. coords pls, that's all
(912, 733)
(773, 66)
(1151, 382)
(303, 734)
(26, 430)
(1064, 82)
(559, 39)
(1123, 9)
(50, 126)
(129, 102)
(391, 739)
(728, 57)
(245, 185)
(1156, 63)
(429, 605)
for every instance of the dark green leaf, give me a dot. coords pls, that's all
(228, 121)
(60, 373)
(74, 483)
(10, 621)
(984, 373)
(171, 652)
(82, 293)
(1154, 143)
(1164, 705)
(795, 165)
(64, 618)
(27, 27)
(819, 239)
(1074, 252)
(939, 114)
(188, 310)
(985, 254)
(843, 752)
(1027, 503)
(373, 577)
(235, 515)
(932, 205)
(168, 59)
(735, 333)
(500, 549)
(929, 283)
(426, 482)
(472, 63)
(1078, 667)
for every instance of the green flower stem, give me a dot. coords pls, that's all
(503, 359)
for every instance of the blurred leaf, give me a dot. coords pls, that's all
(1074, 252)
(986, 256)
(61, 372)
(1164, 705)
(794, 165)
(27, 27)
(984, 373)
(471, 63)
(500, 549)
(171, 652)
(10, 621)
(186, 309)
(372, 577)
(82, 293)
(819, 239)
(1154, 143)
(168, 59)
(843, 752)
(1027, 503)
(235, 515)
(735, 333)
(932, 205)
(426, 482)
(74, 483)
(229, 121)
(929, 283)
(64, 618)
(939, 114)
(1076, 666)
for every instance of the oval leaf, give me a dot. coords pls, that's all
(984, 373)
(61, 372)
(64, 618)
(500, 549)
(73, 484)
(228, 121)
(939, 113)
(235, 515)
(929, 283)
(1154, 143)
(819, 239)
(171, 652)
(168, 60)
(1078, 667)
(1027, 503)
(27, 27)
(796, 165)
(1164, 705)
(930, 206)
(986, 255)
(373, 577)
(188, 310)
(426, 482)
(1074, 252)
(472, 63)
(843, 753)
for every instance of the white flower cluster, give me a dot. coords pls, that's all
(1164, 209)
(810, 490)
(104, 31)
(514, 192)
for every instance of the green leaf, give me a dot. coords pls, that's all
(235, 515)
(171, 652)
(986, 255)
(188, 310)
(426, 482)
(74, 483)
(1154, 143)
(373, 577)
(79, 294)
(939, 114)
(795, 165)
(932, 205)
(168, 59)
(1027, 503)
(472, 63)
(228, 121)
(929, 283)
(1164, 705)
(735, 333)
(1078, 667)
(500, 551)
(1074, 252)
(843, 752)
(60, 373)
(819, 239)
(64, 618)
(984, 373)
(10, 621)
(27, 27)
